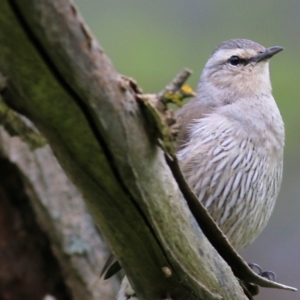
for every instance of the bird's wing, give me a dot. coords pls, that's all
(186, 115)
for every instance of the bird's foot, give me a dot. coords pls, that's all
(270, 275)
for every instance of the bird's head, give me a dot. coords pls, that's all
(239, 68)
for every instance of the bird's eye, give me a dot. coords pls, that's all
(234, 60)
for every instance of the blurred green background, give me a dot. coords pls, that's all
(152, 41)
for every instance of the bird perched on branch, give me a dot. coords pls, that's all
(231, 142)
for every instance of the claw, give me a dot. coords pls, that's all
(255, 267)
(269, 275)
(266, 274)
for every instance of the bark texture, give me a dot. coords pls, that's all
(49, 242)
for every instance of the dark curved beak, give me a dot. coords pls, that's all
(268, 53)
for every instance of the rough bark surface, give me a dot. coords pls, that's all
(44, 218)
(28, 269)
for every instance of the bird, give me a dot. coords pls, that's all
(231, 142)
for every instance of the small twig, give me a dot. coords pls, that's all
(176, 91)
(176, 83)
(157, 110)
